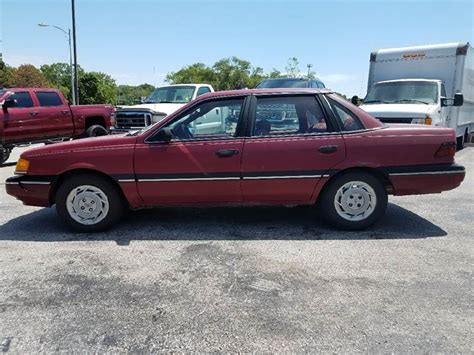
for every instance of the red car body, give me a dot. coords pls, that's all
(284, 169)
(43, 114)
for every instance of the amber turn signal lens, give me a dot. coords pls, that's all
(22, 166)
(428, 120)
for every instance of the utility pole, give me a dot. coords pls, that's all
(76, 80)
(309, 69)
(68, 34)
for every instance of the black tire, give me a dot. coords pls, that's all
(4, 154)
(327, 205)
(116, 204)
(96, 131)
(459, 143)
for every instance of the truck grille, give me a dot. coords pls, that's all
(395, 119)
(128, 120)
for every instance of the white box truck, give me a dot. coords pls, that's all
(430, 84)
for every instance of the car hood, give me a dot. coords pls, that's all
(94, 143)
(167, 108)
(398, 110)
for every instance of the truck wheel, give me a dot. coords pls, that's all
(4, 154)
(89, 203)
(96, 131)
(353, 201)
(459, 143)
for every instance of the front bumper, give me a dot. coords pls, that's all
(31, 190)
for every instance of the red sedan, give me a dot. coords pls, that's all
(248, 147)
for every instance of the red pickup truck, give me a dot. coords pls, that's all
(36, 115)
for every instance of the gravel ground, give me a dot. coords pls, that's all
(241, 279)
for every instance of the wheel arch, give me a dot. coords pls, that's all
(95, 120)
(379, 174)
(59, 180)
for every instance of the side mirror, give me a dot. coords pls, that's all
(164, 135)
(458, 99)
(9, 103)
(355, 100)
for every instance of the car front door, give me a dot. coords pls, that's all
(292, 146)
(55, 114)
(21, 122)
(201, 164)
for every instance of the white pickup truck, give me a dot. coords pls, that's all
(162, 102)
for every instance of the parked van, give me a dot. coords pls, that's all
(430, 85)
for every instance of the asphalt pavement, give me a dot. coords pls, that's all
(241, 279)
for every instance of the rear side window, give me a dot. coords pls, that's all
(203, 90)
(23, 99)
(49, 99)
(288, 115)
(348, 121)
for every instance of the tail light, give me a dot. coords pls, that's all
(447, 149)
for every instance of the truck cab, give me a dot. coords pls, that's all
(162, 102)
(418, 101)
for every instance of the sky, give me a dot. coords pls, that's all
(138, 41)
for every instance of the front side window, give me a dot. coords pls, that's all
(288, 115)
(23, 99)
(171, 94)
(47, 99)
(443, 90)
(209, 120)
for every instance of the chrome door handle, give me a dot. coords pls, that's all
(34, 113)
(65, 111)
(327, 149)
(227, 152)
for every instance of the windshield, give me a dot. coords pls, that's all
(282, 83)
(171, 94)
(418, 92)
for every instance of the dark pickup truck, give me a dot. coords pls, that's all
(33, 115)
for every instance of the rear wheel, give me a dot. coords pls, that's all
(96, 131)
(89, 203)
(353, 201)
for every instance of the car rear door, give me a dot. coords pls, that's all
(201, 164)
(291, 147)
(55, 114)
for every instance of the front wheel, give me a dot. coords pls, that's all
(89, 203)
(4, 154)
(353, 201)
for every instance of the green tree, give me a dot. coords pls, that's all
(27, 76)
(130, 95)
(59, 76)
(195, 73)
(97, 87)
(293, 68)
(5, 74)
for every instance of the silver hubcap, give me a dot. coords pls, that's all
(355, 201)
(87, 204)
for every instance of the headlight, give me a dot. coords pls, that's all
(427, 120)
(22, 166)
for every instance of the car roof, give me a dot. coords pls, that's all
(274, 91)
